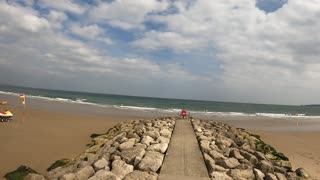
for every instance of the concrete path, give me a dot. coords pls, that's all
(184, 159)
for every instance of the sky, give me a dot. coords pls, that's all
(259, 51)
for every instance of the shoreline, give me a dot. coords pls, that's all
(54, 130)
(203, 114)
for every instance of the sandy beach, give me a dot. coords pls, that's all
(46, 131)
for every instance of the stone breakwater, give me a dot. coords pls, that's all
(130, 150)
(234, 153)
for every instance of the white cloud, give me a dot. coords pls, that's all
(126, 14)
(51, 54)
(154, 40)
(262, 57)
(91, 32)
(13, 18)
(63, 5)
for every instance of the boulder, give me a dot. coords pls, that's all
(280, 176)
(153, 134)
(104, 175)
(281, 170)
(100, 164)
(165, 133)
(141, 175)
(129, 155)
(228, 163)
(162, 147)
(265, 167)
(220, 175)
(250, 157)
(235, 153)
(84, 173)
(146, 140)
(224, 142)
(260, 155)
(151, 161)
(258, 174)
(121, 169)
(68, 176)
(128, 144)
(239, 174)
(119, 136)
(33, 176)
(163, 140)
(301, 172)
(270, 176)
(282, 163)
(141, 145)
(133, 135)
(216, 155)
(205, 146)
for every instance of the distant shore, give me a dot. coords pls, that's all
(48, 130)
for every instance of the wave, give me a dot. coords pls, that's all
(169, 110)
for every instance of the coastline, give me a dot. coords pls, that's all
(50, 130)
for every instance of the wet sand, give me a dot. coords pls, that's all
(46, 131)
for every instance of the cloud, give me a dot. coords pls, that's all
(90, 32)
(126, 14)
(63, 5)
(220, 50)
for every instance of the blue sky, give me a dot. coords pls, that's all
(262, 51)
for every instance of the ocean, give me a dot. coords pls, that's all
(167, 105)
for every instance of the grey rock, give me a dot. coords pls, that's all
(153, 134)
(57, 172)
(68, 176)
(250, 157)
(239, 174)
(128, 144)
(280, 176)
(163, 140)
(281, 170)
(258, 174)
(260, 155)
(270, 176)
(133, 135)
(141, 145)
(146, 140)
(162, 147)
(121, 169)
(235, 153)
(129, 155)
(119, 136)
(228, 163)
(292, 176)
(165, 133)
(104, 175)
(281, 163)
(33, 176)
(205, 146)
(220, 175)
(216, 155)
(151, 161)
(265, 167)
(141, 175)
(301, 172)
(224, 142)
(84, 173)
(100, 164)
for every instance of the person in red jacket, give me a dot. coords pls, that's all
(183, 113)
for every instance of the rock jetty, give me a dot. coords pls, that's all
(234, 153)
(135, 150)
(130, 150)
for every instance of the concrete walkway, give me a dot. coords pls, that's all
(184, 159)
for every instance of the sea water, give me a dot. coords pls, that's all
(167, 105)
